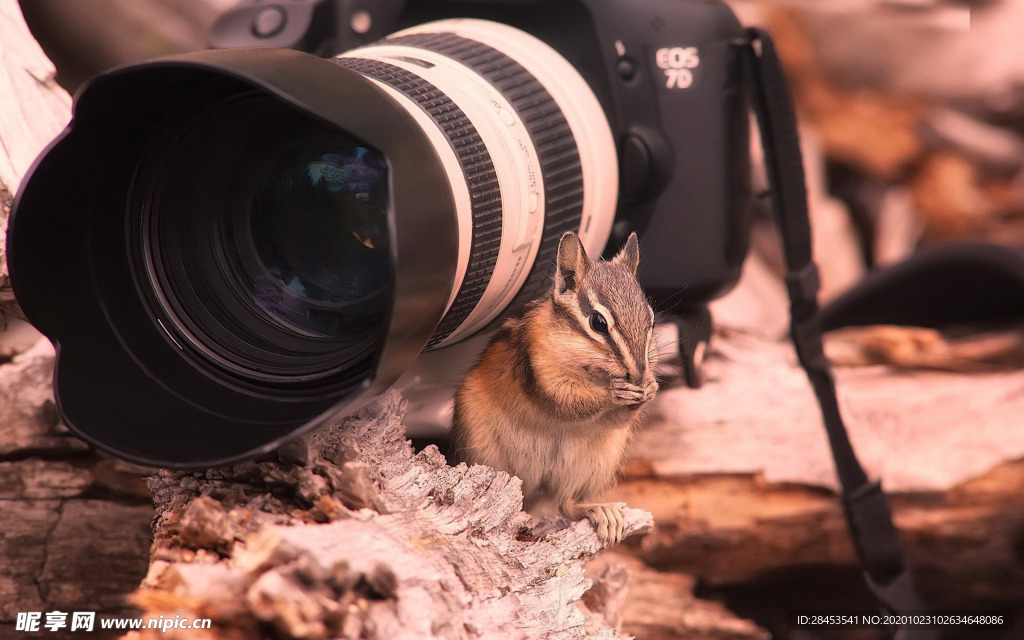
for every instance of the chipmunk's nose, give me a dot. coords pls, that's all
(636, 365)
(646, 374)
(637, 375)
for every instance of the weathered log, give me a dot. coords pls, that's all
(918, 430)
(765, 548)
(351, 534)
(915, 348)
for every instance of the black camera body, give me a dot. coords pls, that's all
(254, 239)
(668, 74)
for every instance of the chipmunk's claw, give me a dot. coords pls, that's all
(650, 390)
(609, 520)
(627, 393)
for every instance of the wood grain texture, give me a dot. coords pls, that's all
(765, 548)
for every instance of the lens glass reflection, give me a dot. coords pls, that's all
(319, 228)
(263, 233)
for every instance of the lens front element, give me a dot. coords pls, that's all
(265, 256)
(319, 230)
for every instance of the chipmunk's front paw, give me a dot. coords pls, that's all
(627, 393)
(608, 519)
(650, 390)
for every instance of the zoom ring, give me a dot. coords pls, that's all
(480, 177)
(556, 148)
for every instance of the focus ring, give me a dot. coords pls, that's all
(477, 169)
(556, 147)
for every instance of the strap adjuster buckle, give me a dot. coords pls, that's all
(803, 285)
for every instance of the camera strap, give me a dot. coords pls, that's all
(864, 503)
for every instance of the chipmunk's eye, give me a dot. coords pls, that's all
(598, 323)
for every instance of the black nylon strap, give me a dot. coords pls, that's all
(864, 503)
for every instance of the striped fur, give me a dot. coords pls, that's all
(551, 399)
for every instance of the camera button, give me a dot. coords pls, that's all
(269, 22)
(626, 69)
(533, 203)
(636, 165)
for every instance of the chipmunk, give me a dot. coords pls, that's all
(557, 391)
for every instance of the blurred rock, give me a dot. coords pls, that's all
(898, 227)
(996, 148)
(944, 52)
(922, 95)
(948, 194)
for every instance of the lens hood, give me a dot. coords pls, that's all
(123, 380)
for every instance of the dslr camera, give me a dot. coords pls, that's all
(229, 247)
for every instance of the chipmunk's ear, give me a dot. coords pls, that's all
(629, 255)
(572, 263)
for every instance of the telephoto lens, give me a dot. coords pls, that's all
(229, 247)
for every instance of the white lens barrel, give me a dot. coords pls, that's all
(516, 169)
(480, 87)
